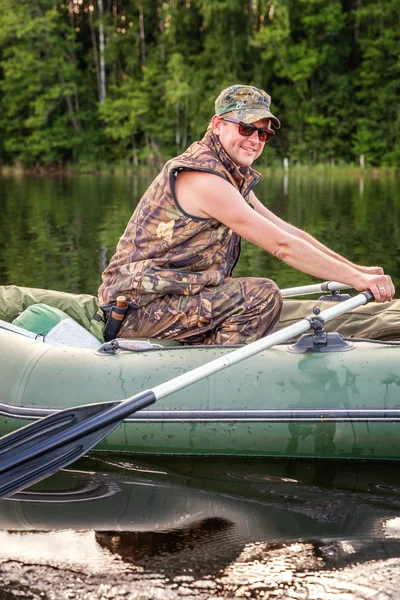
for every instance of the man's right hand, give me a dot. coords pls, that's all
(381, 286)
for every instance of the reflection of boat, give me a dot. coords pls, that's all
(147, 503)
(199, 515)
(170, 520)
(277, 403)
(209, 545)
(261, 500)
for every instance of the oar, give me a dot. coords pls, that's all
(303, 290)
(45, 446)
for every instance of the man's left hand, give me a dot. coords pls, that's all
(371, 270)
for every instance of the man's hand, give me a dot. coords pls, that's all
(381, 286)
(371, 270)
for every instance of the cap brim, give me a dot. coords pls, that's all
(251, 116)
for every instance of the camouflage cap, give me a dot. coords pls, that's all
(247, 102)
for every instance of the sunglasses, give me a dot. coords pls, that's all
(247, 129)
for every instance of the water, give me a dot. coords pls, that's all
(208, 528)
(59, 232)
(205, 528)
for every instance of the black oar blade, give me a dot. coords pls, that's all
(32, 470)
(22, 441)
(42, 448)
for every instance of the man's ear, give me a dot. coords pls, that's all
(216, 124)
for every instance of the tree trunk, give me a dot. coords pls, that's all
(162, 37)
(76, 123)
(357, 27)
(72, 110)
(177, 126)
(185, 124)
(135, 159)
(250, 20)
(102, 91)
(95, 53)
(142, 35)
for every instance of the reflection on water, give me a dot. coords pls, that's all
(58, 232)
(204, 547)
(213, 527)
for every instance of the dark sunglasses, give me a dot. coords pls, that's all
(247, 129)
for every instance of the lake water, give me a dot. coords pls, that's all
(142, 528)
(59, 232)
(205, 528)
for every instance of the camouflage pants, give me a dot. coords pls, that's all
(238, 311)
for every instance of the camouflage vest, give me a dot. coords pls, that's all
(166, 251)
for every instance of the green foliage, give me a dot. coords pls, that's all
(378, 83)
(332, 68)
(122, 114)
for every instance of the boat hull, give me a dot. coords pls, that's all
(277, 403)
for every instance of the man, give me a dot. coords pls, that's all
(175, 259)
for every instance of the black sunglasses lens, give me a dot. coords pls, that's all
(265, 135)
(246, 129)
(262, 135)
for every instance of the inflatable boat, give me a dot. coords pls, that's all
(322, 396)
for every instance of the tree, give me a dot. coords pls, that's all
(378, 83)
(41, 110)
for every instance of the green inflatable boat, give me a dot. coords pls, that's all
(321, 396)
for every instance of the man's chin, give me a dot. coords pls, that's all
(246, 162)
(243, 160)
(247, 158)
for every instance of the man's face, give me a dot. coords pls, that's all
(242, 150)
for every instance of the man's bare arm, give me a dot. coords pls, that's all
(265, 212)
(208, 196)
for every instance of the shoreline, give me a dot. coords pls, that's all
(266, 170)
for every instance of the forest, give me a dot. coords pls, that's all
(94, 84)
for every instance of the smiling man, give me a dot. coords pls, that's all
(175, 260)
